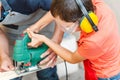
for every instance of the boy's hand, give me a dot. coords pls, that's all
(50, 60)
(36, 39)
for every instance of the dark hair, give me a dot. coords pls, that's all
(68, 10)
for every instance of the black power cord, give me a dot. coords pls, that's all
(66, 70)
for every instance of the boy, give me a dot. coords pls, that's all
(99, 41)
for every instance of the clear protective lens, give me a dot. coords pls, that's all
(69, 29)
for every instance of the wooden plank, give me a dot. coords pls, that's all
(11, 74)
(8, 75)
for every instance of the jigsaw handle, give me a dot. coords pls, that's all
(22, 53)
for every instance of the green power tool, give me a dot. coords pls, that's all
(22, 55)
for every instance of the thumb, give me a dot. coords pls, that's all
(24, 31)
(30, 33)
(36, 31)
(30, 44)
(11, 67)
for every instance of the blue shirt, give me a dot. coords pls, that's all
(29, 6)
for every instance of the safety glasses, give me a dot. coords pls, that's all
(69, 28)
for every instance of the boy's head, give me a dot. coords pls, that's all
(67, 12)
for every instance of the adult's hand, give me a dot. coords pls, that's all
(40, 24)
(34, 28)
(5, 61)
(6, 64)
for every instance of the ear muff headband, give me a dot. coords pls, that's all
(84, 11)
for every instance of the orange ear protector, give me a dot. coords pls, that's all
(89, 20)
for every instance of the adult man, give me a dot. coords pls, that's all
(17, 15)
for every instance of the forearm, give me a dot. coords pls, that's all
(60, 51)
(58, 35)
(4, 45)
(45, 20)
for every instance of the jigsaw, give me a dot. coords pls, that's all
(25, 58)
